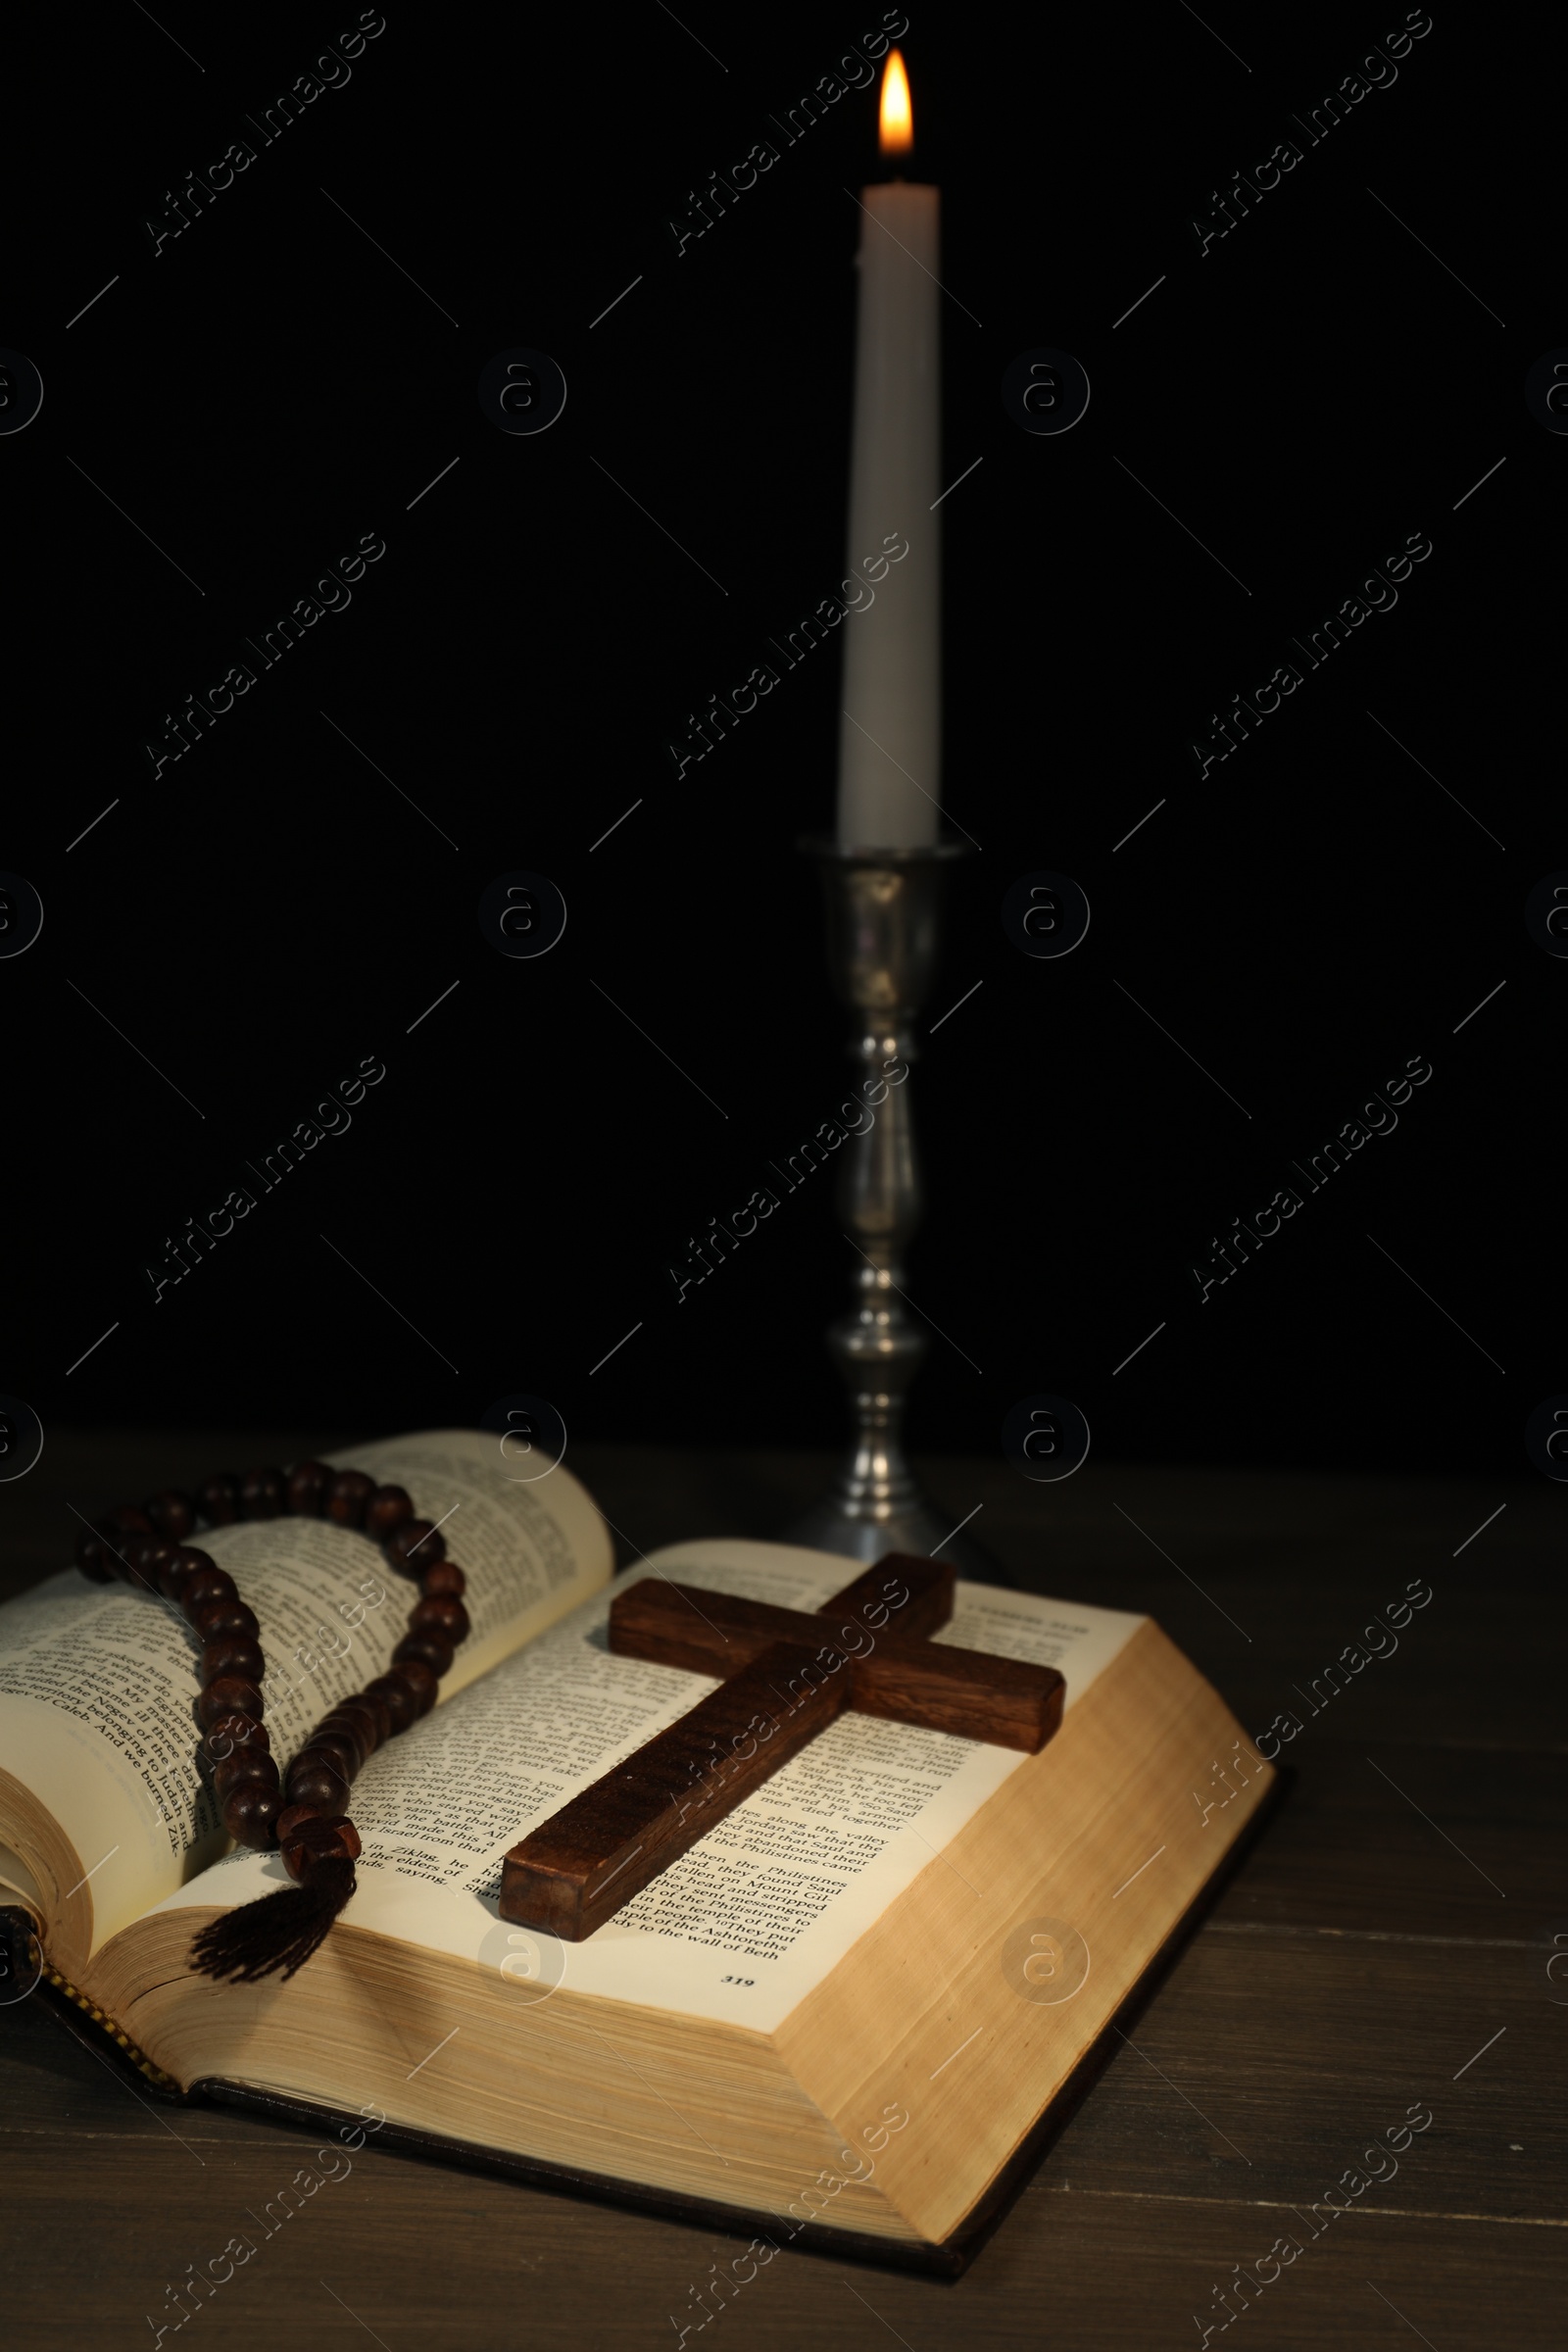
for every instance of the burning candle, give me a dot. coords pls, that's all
(890, 735)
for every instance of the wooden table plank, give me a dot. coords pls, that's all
(489, 2264)
(1457, 1844)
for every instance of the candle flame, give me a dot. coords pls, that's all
(898, 122)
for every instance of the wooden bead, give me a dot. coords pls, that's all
(363, 1720)
(129, 1519)
(374, 1705)
(372, 1713)
(443, 1576)
(219, 1498)
(340, 1732)
(416, 1543)
(296, 1857)
(146, 1556)
(261, 1493)
(443, 1613)
(176, 1571)
(250, 1814)
(213, 1618)
(173, 1514)
(339, 1742)
(159, 1562)
(387, 1509)
(326, 1833)
(422, 1681)
(244, 1765)
(348, 1496)
(290, 1820)
(432, 1650)
(326, 1838)
(233, 1653)
(230, 1694)
(330, 1832)
(313, 1779)
(128, 1545)
(397, 1696)
(96, 1547)
(305, 1490)
(229, 1734)
(211, 1583)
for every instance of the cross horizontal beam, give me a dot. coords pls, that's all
(896, 1674)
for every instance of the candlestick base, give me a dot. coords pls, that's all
(883, 929)
(890, 1524)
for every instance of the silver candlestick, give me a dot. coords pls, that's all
(883, 927)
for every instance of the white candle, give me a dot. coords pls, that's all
(890, 737)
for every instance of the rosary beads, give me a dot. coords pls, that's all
(303, 1811)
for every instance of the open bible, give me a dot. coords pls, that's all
(850, 2008)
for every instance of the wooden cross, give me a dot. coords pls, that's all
(781, 1685)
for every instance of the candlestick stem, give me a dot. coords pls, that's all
(883, 931)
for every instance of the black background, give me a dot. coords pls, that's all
(268, 910)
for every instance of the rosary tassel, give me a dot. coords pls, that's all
(278, 1932)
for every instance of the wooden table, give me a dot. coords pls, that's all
(1387, 1943)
